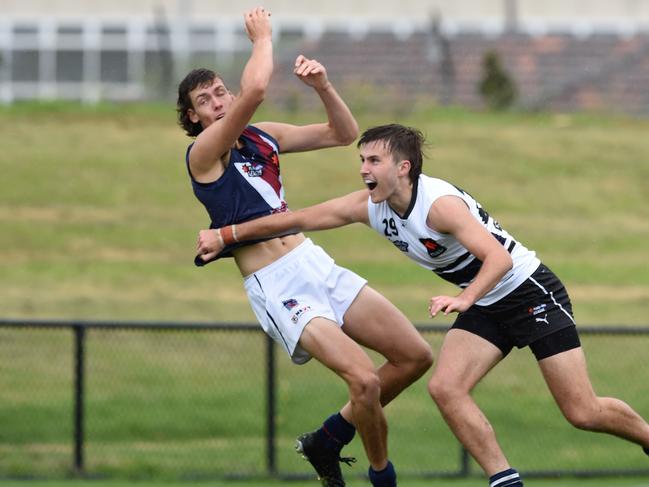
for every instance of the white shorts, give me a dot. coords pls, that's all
(304, 284)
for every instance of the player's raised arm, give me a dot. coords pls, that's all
(449, 214)
(337, 212)
(224, 121)
(341, 127)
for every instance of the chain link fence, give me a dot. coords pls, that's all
(201, 401)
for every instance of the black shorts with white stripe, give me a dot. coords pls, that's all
(538, 308)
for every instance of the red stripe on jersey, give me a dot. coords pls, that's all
(270, 173)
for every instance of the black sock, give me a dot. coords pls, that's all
(646, 450)
(336, 432)
(383, 478)
(506, 478)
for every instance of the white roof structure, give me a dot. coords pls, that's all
(584, 15)
(136, 49)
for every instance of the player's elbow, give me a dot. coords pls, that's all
(341, 136)
(501, 261)
(346, 140)
(254, 92)
(506, 262)
(349, 135)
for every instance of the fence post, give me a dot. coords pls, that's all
(465, 467)
(270, 406)
(79, 367)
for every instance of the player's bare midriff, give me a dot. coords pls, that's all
(251, 258)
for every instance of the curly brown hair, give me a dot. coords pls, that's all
(195, 78)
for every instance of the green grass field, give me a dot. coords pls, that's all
(99, 220)
(561, 482)
(99, 223)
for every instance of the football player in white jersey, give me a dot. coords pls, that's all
(508, 297)
(309, 305)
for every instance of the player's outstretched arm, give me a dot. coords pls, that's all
(217, 138)
(341, 127)
(334, 213)
(449, 214)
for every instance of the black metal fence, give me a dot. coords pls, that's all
(196, 400)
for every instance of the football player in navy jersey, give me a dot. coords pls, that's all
(302, 299)
(508, 297)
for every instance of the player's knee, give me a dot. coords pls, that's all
(416, 364)
(441, 390)
(416, 360)
(424, 359)
(583, 417)
(365, 386)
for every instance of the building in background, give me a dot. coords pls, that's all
(564, 55)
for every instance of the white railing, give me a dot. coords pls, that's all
(92, 59)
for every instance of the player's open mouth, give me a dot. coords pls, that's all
(370, 184)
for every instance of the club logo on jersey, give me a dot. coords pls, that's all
(252, 170)
(401, 245)
(289, 304)
(432, 247)
(283, 208)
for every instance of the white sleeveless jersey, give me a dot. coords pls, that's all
(441, 252)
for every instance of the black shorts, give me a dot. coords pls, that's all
(537, 313)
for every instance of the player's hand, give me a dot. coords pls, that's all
(209, 244)
(257, 22)
(311, 72)
(448, 304)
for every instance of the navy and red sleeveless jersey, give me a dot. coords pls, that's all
(249, 188)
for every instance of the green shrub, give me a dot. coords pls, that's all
(496, 87)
